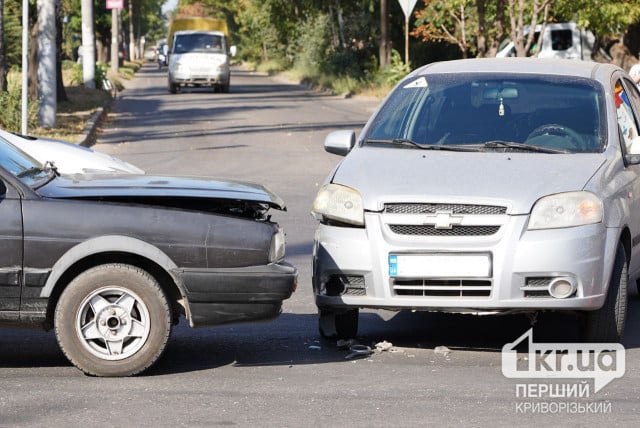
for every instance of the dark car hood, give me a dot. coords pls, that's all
(82, 186)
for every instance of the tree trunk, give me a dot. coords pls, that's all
(340, 24)
(3, 58)
(61, 94)
(498, 25)
(482, 38)
(33, 58)
(334, 34)
(385, 50)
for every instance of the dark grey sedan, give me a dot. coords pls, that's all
(112, 262)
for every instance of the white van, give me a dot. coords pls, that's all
(199, 58)
(562, 40)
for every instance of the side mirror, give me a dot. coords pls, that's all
(632, 159)
(233, 50)
(3, 188)
(340, 142)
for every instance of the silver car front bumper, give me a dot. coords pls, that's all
(351, 268)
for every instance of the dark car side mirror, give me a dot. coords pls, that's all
(3, 188)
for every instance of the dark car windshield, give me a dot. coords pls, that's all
(24, 167)
(185, 43)
(495, 112)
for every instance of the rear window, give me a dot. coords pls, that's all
(557, 112)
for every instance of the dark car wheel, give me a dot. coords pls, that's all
(607, 323)
(113, 320)
(335, 325)
(173, 88)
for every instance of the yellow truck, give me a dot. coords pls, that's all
(199, 54)
(197, 24)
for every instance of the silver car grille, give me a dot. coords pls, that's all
(441, 287)
(413, 208)
(443, 219)
(428, 230)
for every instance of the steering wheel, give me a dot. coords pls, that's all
(558, 130)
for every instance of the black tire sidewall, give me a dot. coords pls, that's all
(607, 323)
(112, 275)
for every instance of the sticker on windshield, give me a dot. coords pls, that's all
(418, 83)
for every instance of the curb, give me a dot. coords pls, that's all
(88, 135)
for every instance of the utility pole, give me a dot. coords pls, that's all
(47, 63)
(25, 66)
(88, 45)
(385, 49)
(115, 6)
(132, 42)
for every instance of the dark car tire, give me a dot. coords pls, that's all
(173, 88)
(113, 320)
(338, 325)
(607, 323)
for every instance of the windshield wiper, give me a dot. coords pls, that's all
(48, 167)
(29, 171)
(499, 144)
(410, 143)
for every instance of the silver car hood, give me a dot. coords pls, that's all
(514, 180)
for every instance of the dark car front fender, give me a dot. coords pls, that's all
(104, 244)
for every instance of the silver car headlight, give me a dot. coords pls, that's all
(276, 252)
(566, 210)
(339, 203)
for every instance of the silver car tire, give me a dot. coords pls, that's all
(113, 320)
(606, 324)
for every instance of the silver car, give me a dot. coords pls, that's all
(486, 186)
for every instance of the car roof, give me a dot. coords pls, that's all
(558, 67)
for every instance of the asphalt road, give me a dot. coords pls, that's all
(280, 373)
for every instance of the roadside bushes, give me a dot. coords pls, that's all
(11, 109)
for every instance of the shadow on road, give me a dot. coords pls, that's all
(292, 339)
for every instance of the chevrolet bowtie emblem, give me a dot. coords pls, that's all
(444, 220)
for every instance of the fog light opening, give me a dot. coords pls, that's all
(561, 288)
(335, 286)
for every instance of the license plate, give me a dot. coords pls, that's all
(440, 265)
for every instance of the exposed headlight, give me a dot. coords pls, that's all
(340, 203)
(276, 252)
(566, 210)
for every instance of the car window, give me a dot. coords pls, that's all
(627, 121)
(561, 40)
(549, 111)
(198, 43)
(20, 164)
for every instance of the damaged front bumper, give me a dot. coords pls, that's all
(232, 295)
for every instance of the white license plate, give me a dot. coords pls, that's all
(440, 265)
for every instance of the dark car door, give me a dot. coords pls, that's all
(10, 248)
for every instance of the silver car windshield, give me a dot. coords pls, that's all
(494, 112)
